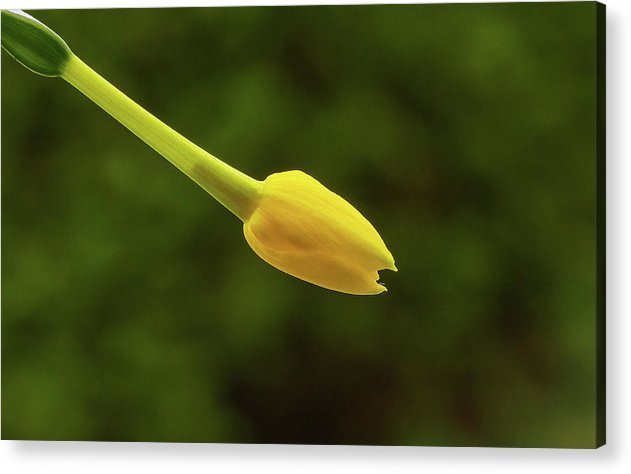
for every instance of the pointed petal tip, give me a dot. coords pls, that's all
(382, 289)
(388, 263)
(390, 266)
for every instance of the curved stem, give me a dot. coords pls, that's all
(232, 188)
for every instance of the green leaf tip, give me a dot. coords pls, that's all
(33, 44)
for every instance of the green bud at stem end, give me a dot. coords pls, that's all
(33, 44)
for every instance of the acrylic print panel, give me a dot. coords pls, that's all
(466, 136)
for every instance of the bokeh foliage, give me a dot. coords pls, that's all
(133, 309)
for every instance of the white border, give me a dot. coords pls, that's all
(63, 457)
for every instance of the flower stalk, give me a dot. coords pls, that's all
(232, 188)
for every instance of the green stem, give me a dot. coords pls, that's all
(232, 188)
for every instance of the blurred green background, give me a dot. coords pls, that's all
(133, 309)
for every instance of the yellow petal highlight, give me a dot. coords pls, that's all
(304, 229)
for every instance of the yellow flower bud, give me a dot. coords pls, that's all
(304, 229)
